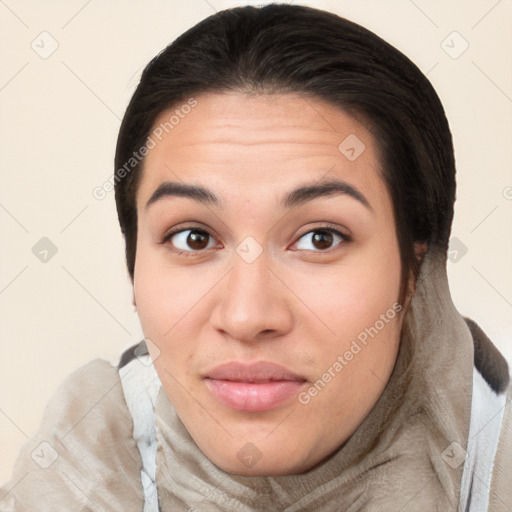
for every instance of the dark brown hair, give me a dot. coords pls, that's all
(283, 48)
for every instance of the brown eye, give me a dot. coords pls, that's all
(197, 240)
(189, 240)
(320, 239)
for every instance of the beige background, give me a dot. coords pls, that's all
(58, 126)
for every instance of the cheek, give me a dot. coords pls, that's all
(354, 364)
(353, 295)
(161, 309)
(163, 293)
(172, 305)
(356, 355)
(158, 296)
(151, 293)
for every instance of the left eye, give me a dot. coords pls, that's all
(321, 239)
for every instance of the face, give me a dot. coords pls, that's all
(272, 315)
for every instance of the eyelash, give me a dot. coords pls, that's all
(329, 228)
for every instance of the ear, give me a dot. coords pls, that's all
(420, 249)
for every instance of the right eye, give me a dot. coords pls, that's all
(189, 241)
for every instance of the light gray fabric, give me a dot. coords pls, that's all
(487, 411)
(83, 457)
(140, 387)
(500, 495)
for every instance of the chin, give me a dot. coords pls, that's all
(260, 468)
(246, 459)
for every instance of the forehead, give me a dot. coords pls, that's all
(258, 146)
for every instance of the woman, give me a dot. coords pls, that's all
(285, 183)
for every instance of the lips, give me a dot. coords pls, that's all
(255, 387)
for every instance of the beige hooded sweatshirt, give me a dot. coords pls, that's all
(438, 439)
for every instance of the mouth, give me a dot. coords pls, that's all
(254, 387)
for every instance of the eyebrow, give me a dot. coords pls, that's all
(300, 195)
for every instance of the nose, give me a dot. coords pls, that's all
(253, 304)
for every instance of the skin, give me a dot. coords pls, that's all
(299, 304)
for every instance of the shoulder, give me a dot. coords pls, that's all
(83, 449)
(87, 389)
(88, 401)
